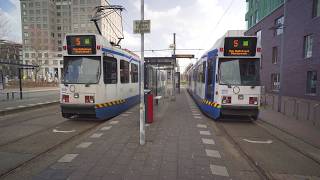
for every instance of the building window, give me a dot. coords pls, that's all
(316, 8)
(110, 70)
(256, 17)
(307, 46)
(124, 71)
(274, 55)
(275, 81)
(311, 82)
(279, 25)
(134, 73)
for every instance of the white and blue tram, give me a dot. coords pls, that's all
(99, 80)
(226, 79)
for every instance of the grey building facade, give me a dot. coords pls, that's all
(10, 53)
(294, 29)
(45, 24)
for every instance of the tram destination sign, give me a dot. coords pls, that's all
(81, 44)
(240, 46)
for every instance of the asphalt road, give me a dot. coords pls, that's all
(26, 136)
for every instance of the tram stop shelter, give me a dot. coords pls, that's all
(152, 65)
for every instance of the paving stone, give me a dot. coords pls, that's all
(207, 141)
(205, 133)
(67, 158)
(84, 145)
(176, 147)
(201, 126)
(219, 170)
(213, 153)
(105, 128)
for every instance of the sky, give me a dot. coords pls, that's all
(197, 23)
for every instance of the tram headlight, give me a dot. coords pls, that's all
(226, 99)
(253, 100)
(89, 99)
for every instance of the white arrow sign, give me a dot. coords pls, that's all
(57, 131)
(258, 142)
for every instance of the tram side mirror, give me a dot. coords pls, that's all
(217, 77)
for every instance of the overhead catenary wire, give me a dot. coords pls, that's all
(122, 20)
(154, 50)
(225, 12)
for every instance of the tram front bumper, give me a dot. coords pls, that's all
(239, 110)
(78, 109)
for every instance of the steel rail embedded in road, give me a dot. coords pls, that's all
(50, 149)
(263, 169)
(288, 144)
(260, 170)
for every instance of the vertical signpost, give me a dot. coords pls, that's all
(142, 26)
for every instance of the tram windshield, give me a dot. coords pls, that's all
(241, 72)
(81, 69)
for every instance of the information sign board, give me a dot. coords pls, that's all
(141, 26)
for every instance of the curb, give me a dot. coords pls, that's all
(11, 111)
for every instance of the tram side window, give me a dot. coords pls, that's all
(134, 73)
(200, 73)
(124, 71)
(110, 70)
(203, 72)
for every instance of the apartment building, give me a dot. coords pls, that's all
(10, 53)
(45, 24)
(290, 36)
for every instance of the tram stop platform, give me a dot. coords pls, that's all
(181, 144)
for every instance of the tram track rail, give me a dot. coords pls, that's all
(263, 173)
(52, 148)
(290, 145)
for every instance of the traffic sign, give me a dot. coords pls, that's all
(183, 55)
(141, 26)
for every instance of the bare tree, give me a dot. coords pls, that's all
(4, 26)
(36, 47)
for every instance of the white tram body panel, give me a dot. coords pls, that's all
(100, 80)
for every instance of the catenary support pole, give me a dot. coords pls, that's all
(20, 82)
(174, 66)
(142, 105)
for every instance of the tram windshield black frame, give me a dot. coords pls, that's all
(248, 71)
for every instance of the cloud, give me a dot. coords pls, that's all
(14, 24)
(195, 24)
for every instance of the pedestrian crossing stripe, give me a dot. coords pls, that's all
(111, 103)
(213, 104)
